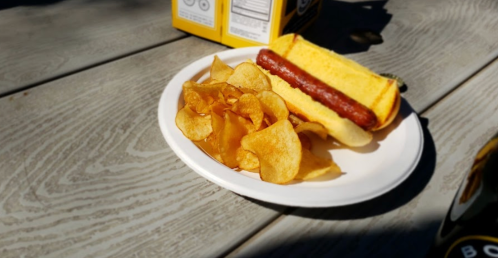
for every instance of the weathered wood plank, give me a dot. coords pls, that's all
(85, 170)
(401, 223)
(432, 45)
(42, 42)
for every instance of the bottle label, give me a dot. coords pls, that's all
(471, 186)
(473, 247)
(463, 201)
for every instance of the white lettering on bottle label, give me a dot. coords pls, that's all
(468, 251)
(491, 250)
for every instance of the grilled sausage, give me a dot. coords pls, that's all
(343, 105)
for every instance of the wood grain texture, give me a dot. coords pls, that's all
(432, 45)
(42, 42)
(85, 171)
(459, 125)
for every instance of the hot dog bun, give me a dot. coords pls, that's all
(301, 104)
(377, 93)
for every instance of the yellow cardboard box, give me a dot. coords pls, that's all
(243, 23)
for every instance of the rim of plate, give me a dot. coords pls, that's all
(289, 195)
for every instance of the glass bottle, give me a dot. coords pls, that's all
(470, 229)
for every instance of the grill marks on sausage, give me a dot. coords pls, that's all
(343, 105)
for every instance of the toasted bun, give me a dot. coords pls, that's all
(303, 105)
(393, 114)
(377, 93)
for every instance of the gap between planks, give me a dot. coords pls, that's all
(57, 77)
(463, 79)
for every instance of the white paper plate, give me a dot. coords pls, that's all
(369, 171)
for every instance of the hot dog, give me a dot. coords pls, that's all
(348, 99)
(343, 105)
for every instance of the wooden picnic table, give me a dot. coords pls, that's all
(86, 172)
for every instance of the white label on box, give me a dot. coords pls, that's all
(251, 19)
(199, 11)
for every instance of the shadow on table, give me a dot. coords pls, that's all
(13, 3)
(393, 241)
(349, 27)
(399, 196)
(409, 240)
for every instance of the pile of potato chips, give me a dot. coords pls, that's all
(236, 118)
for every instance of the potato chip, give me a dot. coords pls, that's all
(263, 126)
(312, 166)
(219, 70)
(212, 81)
(295, 120)
(211, 89)
(194, 126)
(194, 101)
(208, 81)
(273, 105)
(231, 101)
(316, 128)
(278, 149)
(247, 160)
(248, 106)
(217, 123)
(267, 120)
(246, 75)
(234, 129)
(245, 90)
(200, 96)
(219, 108)
(209, 148)
(305, 141)
(212, 140)
(231, 92)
